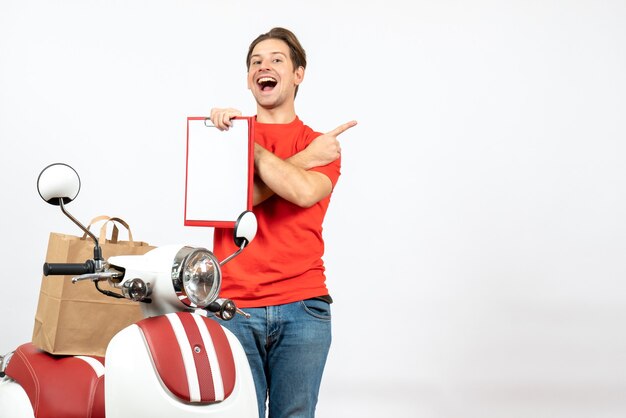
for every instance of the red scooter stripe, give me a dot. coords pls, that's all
(166, 354)
(224, 355)
(201, 360)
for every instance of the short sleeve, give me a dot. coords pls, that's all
(332, 171)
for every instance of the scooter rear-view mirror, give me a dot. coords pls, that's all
(243, 233)
(245, 229)
(58, 182)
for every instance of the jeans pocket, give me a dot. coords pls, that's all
(317, 308)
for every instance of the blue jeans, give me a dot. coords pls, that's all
(287, 346)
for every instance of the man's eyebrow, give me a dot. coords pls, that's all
(270, 53)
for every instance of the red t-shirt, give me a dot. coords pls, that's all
(283, 264)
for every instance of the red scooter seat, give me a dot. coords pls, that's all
(59, 386)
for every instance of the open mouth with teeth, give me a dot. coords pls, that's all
(267, 83)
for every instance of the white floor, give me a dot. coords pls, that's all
(366, 400)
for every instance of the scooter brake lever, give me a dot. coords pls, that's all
(95, 277)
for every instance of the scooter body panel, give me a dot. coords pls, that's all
(14, 402)
(133, 387)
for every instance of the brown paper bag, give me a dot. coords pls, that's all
(76, 319)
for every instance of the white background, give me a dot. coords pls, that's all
(476, 239)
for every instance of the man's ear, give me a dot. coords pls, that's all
(299, 75)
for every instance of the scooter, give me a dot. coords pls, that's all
(174, 363)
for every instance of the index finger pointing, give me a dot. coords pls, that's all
(342, 128)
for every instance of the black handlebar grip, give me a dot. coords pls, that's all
(66, 269)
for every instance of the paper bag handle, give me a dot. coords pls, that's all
(93, 221)
(98, 219)
(103, 230)
(115, 232)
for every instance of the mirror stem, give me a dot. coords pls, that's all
(235, 254)
(96, 251)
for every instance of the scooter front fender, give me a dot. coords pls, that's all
(134, 388)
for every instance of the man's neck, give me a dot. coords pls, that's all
(277, 115)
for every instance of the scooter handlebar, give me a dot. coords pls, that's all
(67, 269)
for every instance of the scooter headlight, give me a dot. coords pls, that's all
(196, 276)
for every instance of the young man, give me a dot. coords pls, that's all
(279, 278)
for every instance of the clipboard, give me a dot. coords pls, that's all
(219, 172)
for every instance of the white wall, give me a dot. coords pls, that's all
(475, 241)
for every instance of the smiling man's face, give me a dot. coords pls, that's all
(271, 76)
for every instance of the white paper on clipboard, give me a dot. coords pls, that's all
(219, 173)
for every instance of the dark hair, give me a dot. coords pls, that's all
(296, 52)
